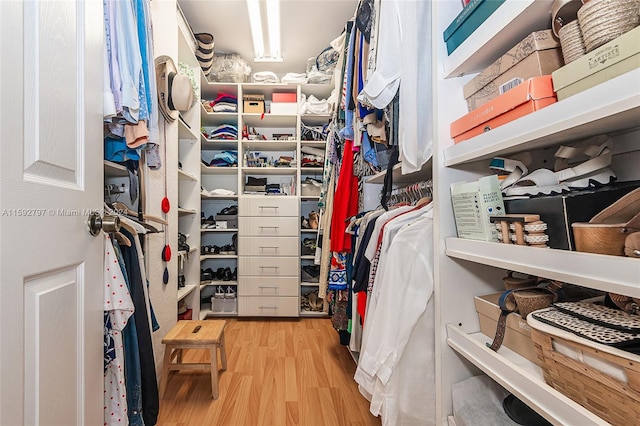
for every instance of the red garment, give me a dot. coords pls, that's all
(345, 201)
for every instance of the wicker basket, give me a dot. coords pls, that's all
(571, 42)
(611, 399)
(603, 20)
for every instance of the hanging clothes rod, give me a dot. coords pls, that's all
(412, 193)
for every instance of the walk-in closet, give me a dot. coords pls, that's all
(320, 212)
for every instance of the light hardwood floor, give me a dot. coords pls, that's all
(280, 372)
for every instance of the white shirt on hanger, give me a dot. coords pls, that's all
(398, 356)
(403, 60)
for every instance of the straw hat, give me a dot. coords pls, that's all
(165, 72)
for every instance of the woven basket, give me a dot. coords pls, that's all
(571, 42)
(616, 402)
(531, 300)
(603, 20)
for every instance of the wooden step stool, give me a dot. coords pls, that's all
(207, 334)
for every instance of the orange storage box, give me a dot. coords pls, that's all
(532, 95)
(283, 97)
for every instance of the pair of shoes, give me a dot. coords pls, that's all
(315, 303)
(308, 246)
(576, 167)
(217, 275)
(230, 211)
(253, 181)
(208, 223)
(227, 249)
(615, 230)
(210, 250)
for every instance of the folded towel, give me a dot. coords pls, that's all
(292, 77)
(265, 77)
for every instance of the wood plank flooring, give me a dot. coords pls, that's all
(280, 372)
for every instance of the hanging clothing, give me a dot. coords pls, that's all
(345, 203)
(119, 308)
(131, 358)
(398, 354)
(403, 32)
(149, 383)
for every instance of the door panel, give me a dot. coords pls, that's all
(51, 284)
(51, 313)
(51, 104)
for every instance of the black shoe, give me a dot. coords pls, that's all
(234, 276)
(219, 274)
(227, 274)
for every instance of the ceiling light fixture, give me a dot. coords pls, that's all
(273, 26)
(273, 19)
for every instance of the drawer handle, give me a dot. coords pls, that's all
(269, 247)
(268, 227)
(267, 307)
(269, 286)
(268, 207)
(271, 267)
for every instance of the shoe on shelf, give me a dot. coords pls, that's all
(313, 219)
(304, 223)
(227, 274)
(206, 274)
(229, 211)
(227, 249)
(308, 246)
(234, 275)
(576, 167)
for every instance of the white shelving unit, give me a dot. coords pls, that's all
(233, 178)
(189, 179)
(467, 268)
(112, 169)
(519, 376)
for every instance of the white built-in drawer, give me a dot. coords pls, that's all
(268, 266)
(268, 286)
(269, 226)
(268, 206)
(261, 246)
(258, 306)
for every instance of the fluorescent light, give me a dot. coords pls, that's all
(253, 7)
(273, 25)
(273, 18)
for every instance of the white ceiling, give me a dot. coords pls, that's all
(308, 26)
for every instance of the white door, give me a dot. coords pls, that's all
(50, 176)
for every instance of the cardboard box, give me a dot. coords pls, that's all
(560, 211)
(604, 63)
(232, 220)
(537, 54)
(473, 203)
(286, 97)
(532, 95)
(286, 108)
(467, 21)
(517, 335)
(253, 107)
